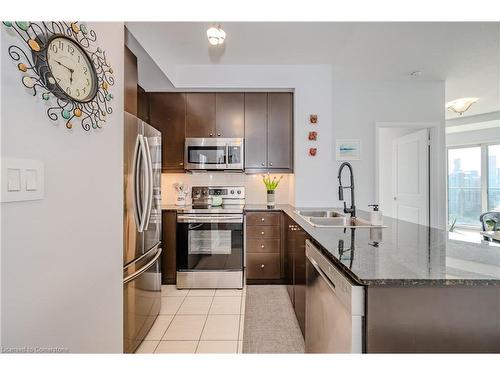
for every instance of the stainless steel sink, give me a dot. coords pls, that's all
(333, 219)
(340, 221)
(322, 213)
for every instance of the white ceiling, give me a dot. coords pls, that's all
(465, 55)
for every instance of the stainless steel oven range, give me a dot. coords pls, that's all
(210, 239)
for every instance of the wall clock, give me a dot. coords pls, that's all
(64, 66)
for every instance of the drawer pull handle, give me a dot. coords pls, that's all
(262, 266)
(261, 246)
(262, 233)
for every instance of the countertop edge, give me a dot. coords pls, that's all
(289, 211)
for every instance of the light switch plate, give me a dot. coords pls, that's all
(13, 179)
(31, 180)
(22, 180)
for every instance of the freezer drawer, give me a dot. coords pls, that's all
(141, 300)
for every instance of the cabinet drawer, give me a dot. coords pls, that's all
(265, 245)
(263, 266)
(263, 218)
(261, 231)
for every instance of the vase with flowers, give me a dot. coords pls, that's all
(271, 185)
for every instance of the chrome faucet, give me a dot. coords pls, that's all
(352, 209)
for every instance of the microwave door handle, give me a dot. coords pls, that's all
(136, 184)
(149, 167)
(227, 156)
(145, 195)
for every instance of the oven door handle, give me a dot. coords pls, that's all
(209, 219)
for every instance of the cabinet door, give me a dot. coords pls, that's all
(229, 114)
(169, 243)
(279, 126)
(167, 114)
(130, 81)
(299, 272)
(289, 257)
(200, 119)
(256, 130)
(143, 104)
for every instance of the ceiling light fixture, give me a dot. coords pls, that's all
(460, 105)
(216, 35)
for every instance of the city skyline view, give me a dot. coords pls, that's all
(464, 184)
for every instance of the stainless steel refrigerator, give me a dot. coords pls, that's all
(142, 230)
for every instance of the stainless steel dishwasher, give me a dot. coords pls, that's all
(334, 307)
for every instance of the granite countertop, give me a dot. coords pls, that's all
(407, 253)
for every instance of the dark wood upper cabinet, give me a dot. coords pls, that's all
(230, 114)
(279, 130)
(130, 82)
(142, 104)
(200, 119)
(167, 113)
(256, 130)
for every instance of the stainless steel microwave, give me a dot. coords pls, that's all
(213, 154)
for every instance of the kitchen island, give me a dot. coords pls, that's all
(427, 290)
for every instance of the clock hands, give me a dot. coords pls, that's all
(70, 71)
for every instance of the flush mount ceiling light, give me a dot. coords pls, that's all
(216, 35)
(460, 105)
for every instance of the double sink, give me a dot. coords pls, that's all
(333, 219)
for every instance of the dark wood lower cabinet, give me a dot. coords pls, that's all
(264, 247)
(263, 266)
(295, 266)
(169, 244)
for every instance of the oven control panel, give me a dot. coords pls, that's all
(225, 192)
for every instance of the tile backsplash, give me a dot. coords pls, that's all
(254, 187)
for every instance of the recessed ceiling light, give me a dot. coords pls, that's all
(460, 105)
(216, 35)
(416, 73)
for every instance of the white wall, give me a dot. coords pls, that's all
(359, 106)
(385, 162)
(473, 137)
(61, 256)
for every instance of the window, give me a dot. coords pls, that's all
(473, 183)
(464, 185)
(493, 178)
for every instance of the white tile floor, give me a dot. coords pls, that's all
(198, 321)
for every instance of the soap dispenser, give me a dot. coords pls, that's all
(375, 215)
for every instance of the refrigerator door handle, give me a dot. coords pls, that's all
(136, 187)
(143, 269)
(149, 167)
(146, 194)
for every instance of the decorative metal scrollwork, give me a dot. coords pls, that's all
(37, 77)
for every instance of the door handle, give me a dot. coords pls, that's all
(145, 200)
(143, 269)
(136, 186)
(322, 274)
(149, 167)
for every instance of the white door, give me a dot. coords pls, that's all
(410, 177)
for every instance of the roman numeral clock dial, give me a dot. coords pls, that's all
(71, 69)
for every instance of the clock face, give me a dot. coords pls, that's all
(71, 69)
